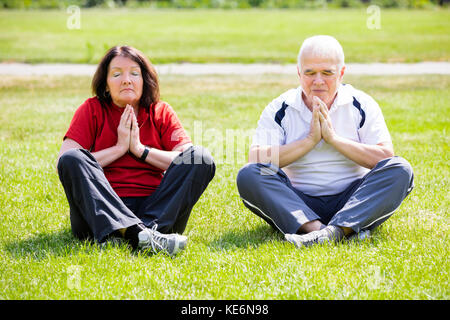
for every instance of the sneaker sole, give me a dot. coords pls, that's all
(299, 244)
(290, 238)
(362, 235)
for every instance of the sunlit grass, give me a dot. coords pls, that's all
(232, 254)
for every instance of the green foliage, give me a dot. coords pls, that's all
(223, 4)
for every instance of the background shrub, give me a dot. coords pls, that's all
(223, 4)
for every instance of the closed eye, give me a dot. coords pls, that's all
(324, 72)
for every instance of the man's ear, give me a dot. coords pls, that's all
(341, 75)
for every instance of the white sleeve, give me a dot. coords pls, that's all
(268, 131)
(374, 129)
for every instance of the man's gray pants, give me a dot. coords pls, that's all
(266, 190)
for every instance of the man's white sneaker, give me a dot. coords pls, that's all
(362, 235)
(328, 234)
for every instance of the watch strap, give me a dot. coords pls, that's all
(145, 153)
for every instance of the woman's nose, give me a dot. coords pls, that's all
(126, 79)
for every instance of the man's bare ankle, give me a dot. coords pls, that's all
(310, 226)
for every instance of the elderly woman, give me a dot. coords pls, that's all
(127, 166)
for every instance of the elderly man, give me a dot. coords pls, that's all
(322, 165)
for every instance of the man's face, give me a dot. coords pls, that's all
(319, 77)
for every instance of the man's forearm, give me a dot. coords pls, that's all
(282, 155)
(363, 154)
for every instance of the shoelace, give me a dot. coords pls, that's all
(157, 240)
(312, 236)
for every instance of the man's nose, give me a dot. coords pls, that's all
(318, 78)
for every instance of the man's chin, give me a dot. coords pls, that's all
(321, 96)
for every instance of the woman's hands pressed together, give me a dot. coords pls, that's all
(128, 140)
(124, 129)
(136, 147)
(128, 133)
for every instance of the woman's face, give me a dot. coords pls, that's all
(124, 81)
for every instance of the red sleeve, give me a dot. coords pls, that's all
(82, 126)
(170, 129)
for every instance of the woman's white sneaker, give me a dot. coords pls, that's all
(170, 243)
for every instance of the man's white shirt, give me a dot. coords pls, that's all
(323, 170)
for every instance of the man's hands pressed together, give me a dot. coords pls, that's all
(315, 134)
(326, 126)
(365, 155)
(321, 126)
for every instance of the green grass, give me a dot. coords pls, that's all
(222, 35)
(232, 254)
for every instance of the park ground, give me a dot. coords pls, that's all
(232, 254)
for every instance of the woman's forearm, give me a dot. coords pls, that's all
(160, 158)
(109, 155)
(103, 157)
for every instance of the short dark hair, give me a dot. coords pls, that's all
(150, 88)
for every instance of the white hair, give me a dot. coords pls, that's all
(323, 47)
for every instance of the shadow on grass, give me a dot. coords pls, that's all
(39, 246)
(264, 233)
(62, 243)
(59, 243)
(246, 238)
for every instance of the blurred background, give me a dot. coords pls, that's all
(222, 31)
(224, 4)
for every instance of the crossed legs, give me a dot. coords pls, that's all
(365, 204)
(96, 211)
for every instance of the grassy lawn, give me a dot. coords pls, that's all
(222, 36)
(232, 254)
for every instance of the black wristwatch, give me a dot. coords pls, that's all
(145, 153)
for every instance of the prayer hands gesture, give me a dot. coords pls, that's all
(128, 133)
(321, 126)
(124, 129)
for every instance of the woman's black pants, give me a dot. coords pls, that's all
(96, 211)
